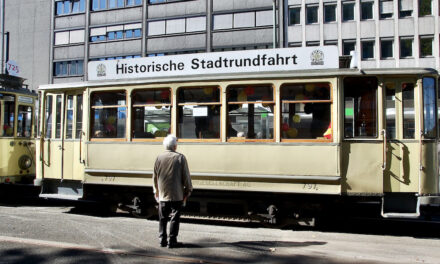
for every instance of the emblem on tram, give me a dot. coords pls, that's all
(317, 57)
(100, 70)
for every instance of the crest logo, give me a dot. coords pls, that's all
(100, 70)
(317, 57)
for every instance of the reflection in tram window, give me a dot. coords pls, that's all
(250, 112)
(24, 118)
(429, 108)
(199, 113)
(408, 110)
(108, 114)
(79, 115)
(360, 103)
(306, 111)
(152, 113)
(8, 102)
(69, 117)
(48, 116)
(390, 109)
(58, 117)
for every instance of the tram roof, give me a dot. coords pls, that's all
(342, 72)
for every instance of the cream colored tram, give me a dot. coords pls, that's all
(17, 120)
(271, 145)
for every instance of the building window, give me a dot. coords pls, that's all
(295, 44)
(386, 48)
(347, 46)
(116, 58)
(312, 43)
(329, 13)
(116, 32)
(312, 14)
(69, 37)
(347, 11)
(112, 4)
(360, 103)
(68, 68)
(367, 10)
(425, 7)
(426, 46)
(367, 49)
(199, 112)
(306, 111)
(330, 43)
(240, 20)
(177, 26)
(406, 47)
(164, 1)
(250, 113)
(386, 9)
(65, 7)
(151, 113)
(294, 15)
(108, 114)
(405, 8)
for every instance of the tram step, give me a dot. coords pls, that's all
(65, 190)
(400, 205)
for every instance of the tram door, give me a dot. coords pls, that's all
(62, 157)
(400, 144)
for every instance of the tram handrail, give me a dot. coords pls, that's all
(80, 147)
(384, 148)
(421, 149)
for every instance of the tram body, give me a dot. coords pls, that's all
(250, 140)
(17, 139)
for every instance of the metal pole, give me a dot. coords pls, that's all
(274, 7)
(3, 37)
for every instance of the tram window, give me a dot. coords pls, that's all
(306, 111)
(151, 113)
(390, 109)
(69, 117)
(8, 115)
(360, 107)
(108, 114)
(24, 118)
(199, 111)
(58, 116)
(429, 108)
(79, 115)
(48, 116)
(250, 112)
(408, 110)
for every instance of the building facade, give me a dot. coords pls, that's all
(53, 40)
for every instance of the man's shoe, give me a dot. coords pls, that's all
(174, 244)
(163, 243)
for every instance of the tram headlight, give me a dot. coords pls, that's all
(24, 162)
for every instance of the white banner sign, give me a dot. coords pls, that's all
(308, 58)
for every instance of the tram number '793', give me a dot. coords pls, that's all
(108, 179)
(310, 186)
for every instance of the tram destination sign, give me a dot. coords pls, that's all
(247, 61)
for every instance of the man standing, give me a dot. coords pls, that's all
(172, 186)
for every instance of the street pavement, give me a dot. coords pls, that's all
(65, 234)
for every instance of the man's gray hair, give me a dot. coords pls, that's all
(170, 142)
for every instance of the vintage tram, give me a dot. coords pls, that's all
(262, 143)
(17, 139)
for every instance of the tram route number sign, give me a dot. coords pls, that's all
(247, 61)
(12, 68)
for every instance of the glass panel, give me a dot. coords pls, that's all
(9, 114)
(69, 117)
(199, 121)
(426, 47)
(60, 8)
(112, 4)
(367, 49)
(347, 11)
(386, 49)
(250, 93)
(329, 13)
(312, 14)
(348, 46)
(48, 116)
(425, 8)
(199, 95)
(58, 116)
(250, 121)
(109, 122)
(108, 98)
(390, 109)
(79, 115)
(367, 10)
(24, 118)
(151, 121)
(429, 108)
(406, 48)
(309, 91)
(159, 96)
(295, 16)
(408, 110)
(360, 98)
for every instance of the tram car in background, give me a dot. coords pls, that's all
(17, 139)
(271, 145)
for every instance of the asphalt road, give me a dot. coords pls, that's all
(57, 233)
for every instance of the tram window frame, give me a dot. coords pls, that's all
(5, 118)
(409, 123)
(93, 108)
(429, 108)
(70, 100)
(185, 102)
(48, 117)
(327, 131)
(390, 109)
(155, 104)
(249, 89)
(21, 124)
(79, 116)
(357, 129)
